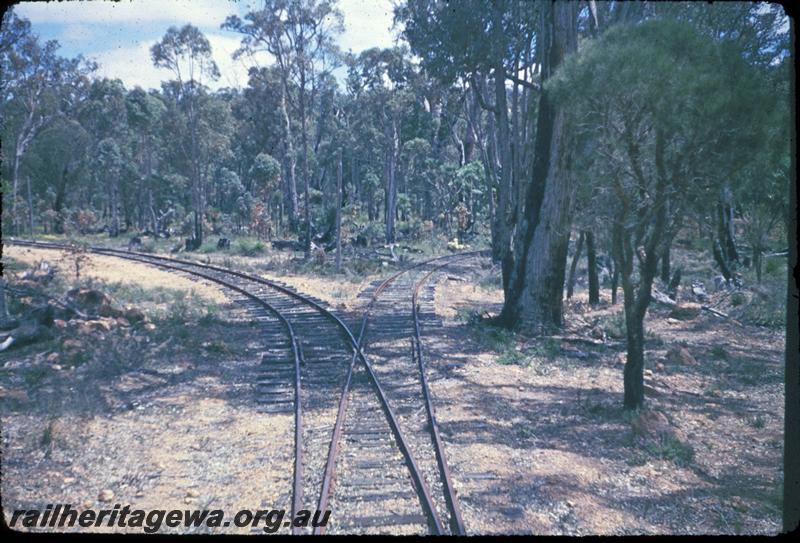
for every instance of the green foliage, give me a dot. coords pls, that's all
(668, 447)
(775, 267)
(266, 170)
(614, 325)
(719, 352)
(247, 247)
(665, 75)
(769, 311)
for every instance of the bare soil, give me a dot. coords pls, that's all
(542, 445)
(158, 418)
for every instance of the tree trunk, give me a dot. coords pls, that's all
(574, 266)
(304, 137)
(665, 264)
(114, 208)
(591, 266)
(4, 317)
(197, 202)
(533, 302)
(637, 299)
(633, 375)
(339, 215)
(14, 191)
(614, 284)
(390, 194)
(757, 261)
(501, 240)
(289, 157)
(30, 204)
(728, 256)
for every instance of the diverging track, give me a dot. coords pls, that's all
(390, 332)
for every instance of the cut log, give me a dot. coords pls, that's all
(662, 298)
(28, 332)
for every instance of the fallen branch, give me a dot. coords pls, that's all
(586, 341)
(662, 298)
(34, 294)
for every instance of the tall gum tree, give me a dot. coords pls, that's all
(187, 53)
(299, 35)
(533, 301)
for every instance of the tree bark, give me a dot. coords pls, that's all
(591, 267)
(289, 157)
(633, 374)
(390, 183)
(339, 215)
(30, 204)
(574, 266)
(728, 256)
(637, 297)
(533, 302)
(304, 138)
(666, 271)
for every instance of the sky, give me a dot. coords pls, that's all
(118, 35)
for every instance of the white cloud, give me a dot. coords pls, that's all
(119, 34)
(130, 64)
(367, 24)
(134, 67)
(197, 12)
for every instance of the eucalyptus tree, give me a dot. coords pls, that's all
(144, 115)
(32, 73)
(260, 128)
(534, 292)
(104, 116)
(380, 78)
(486, 45)
(299, 34)
(186, 52)
(671, 115)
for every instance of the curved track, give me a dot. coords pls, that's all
(317, 354)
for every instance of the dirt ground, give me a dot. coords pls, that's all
(542, 446)
(534, 430)
(116, 270)
(158, 418)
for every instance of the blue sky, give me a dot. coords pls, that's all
(118, 35)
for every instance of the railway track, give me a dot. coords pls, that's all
(400, 379)
(360, 435)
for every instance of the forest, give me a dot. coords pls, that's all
(543, 133)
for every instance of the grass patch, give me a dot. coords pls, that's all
(653, 339)
(217, 346)
(672, 449)
(547, 348)
(718, 352)
(756, 421)
(247, 247)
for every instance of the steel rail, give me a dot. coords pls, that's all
(417, 478)
(416, 473)
(456, 521)
(330, 466)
